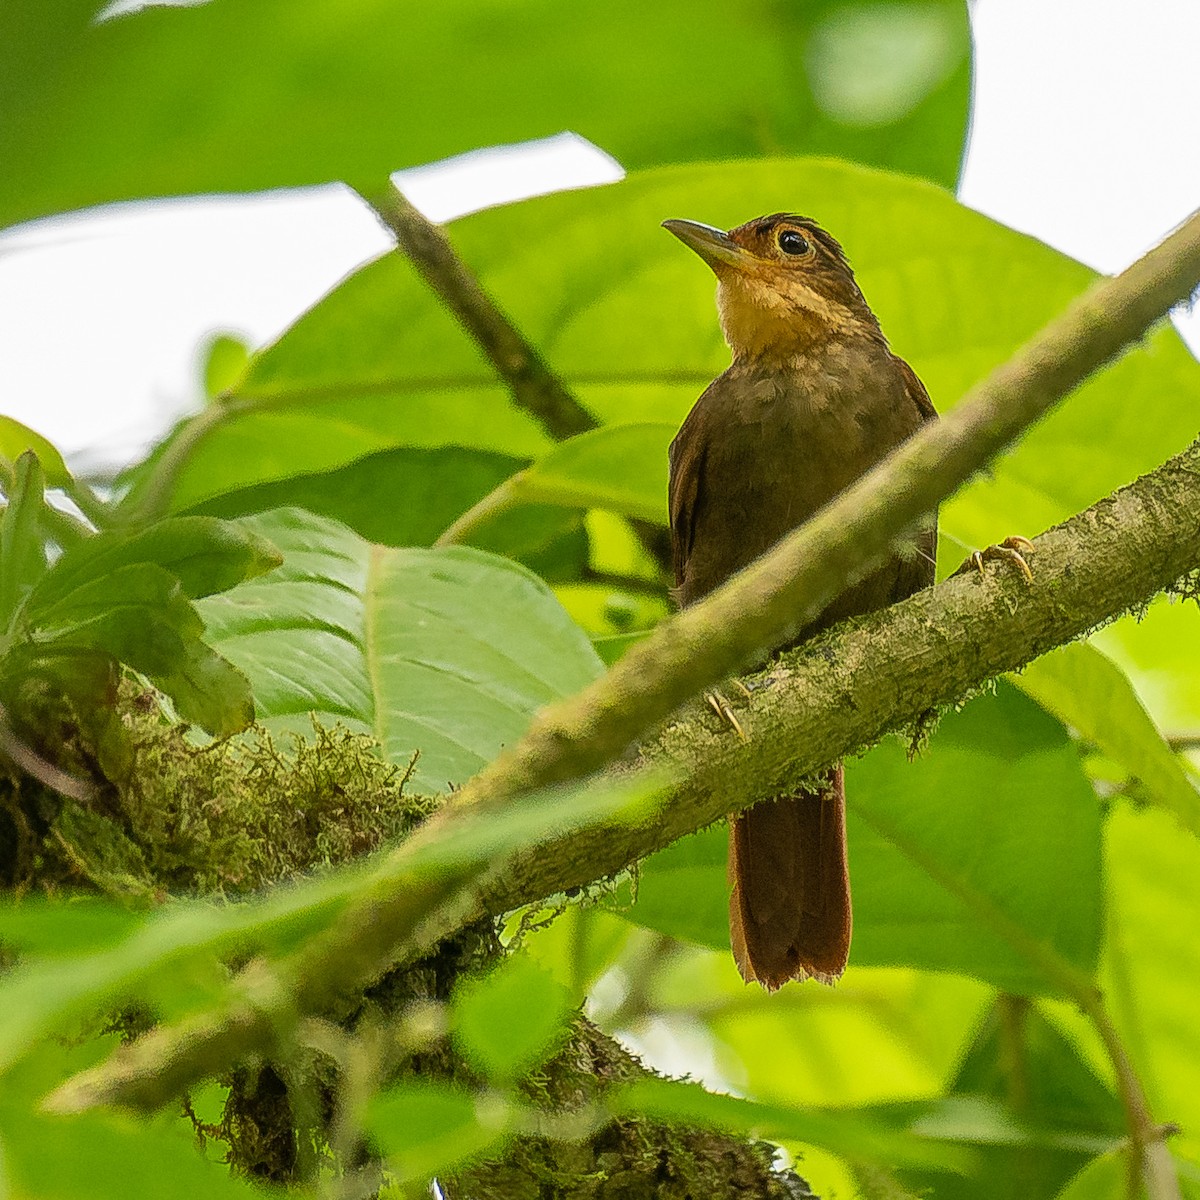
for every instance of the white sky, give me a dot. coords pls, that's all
(1085, 134)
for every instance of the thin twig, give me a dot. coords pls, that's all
(528, 377)
(21, 754)
(498, 500)
(1151, 1160)
(533, 385)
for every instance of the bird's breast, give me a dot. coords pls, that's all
(776, 444)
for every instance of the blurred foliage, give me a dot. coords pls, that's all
(291, 542)
(241, 95)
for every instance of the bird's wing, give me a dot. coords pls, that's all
(915, 390)
(686, 458)
(920, 571)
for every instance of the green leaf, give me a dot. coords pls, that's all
(446, 651)
(22, 552)
(1104, 1178)
(137, 613)
(205, 555)
(1021, 1059)
(625, 315)
(622, 468)
(992, 851)
(225, 359)
(410, 496)
(1089, 692)
(1160, 651)
(208, 690)
(898, 1032)
(425, 1127)
(35, 925)
(982, 856)
(576, 947)
(259, 94)
(1014, 1158)
(126, 595)
(1026, 1098)
(16, 439)
(848, 1134)
(511, 1020)
(106, 1155)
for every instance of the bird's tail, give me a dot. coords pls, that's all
(789, 914)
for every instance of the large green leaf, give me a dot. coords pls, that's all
(205, 555)
(22, 552)
(446, 651)
(509, 1021)
(982, 856)
(1087, 690)
(626, 316)
(16, 438)
(241, 95)
(409, 496)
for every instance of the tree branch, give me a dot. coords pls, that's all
(816, 704)
(533, 385)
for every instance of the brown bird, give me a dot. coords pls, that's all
(812, 400)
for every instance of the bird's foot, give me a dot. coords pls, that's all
(1011, 550)
(722, 708)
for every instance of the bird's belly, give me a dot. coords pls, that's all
(776, 470)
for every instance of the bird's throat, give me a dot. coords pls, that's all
(762, 324)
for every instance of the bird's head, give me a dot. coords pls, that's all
(783, 285)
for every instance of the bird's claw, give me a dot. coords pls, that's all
(1012, 549)
(721, 707)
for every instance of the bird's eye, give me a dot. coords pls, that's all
(791, 242)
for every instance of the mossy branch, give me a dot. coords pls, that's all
(816, 704)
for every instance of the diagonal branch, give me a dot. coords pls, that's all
(818, 703)
(533, 385)
(530, 381)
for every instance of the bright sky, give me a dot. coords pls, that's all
(1085, 134)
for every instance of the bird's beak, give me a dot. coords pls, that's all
(713, 245)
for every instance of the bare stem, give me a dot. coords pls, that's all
(1151, 1160)
(533, 385)
(498, 500)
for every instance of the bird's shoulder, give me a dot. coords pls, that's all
(915, 390)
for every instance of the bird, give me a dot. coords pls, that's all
(812, 399)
